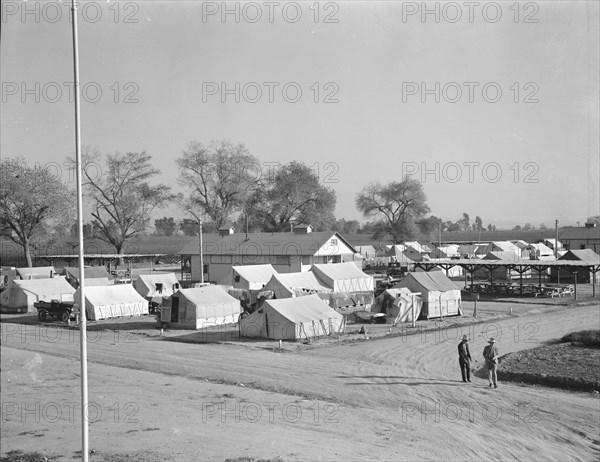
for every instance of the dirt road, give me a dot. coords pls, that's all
(390, 399)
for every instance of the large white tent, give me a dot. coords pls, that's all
(156, 285)
(344, 277)
(399, 305)
(203, 307)
(293, 319)
(441, 297)
(114, 301)
(94, 276)
(288, 285)
(252, 277)
(22, 294)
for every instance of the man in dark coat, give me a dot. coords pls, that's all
(464, 359)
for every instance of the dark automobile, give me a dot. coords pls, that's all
(55, 309)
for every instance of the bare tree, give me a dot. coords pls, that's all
(220, 176)
(122, 197)
(398, 204)
(32, 200)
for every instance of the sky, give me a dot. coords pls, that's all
(494, 106)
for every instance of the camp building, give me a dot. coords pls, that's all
(289, 252)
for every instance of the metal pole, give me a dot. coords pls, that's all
(83, 322)
(556, 238)
(201, 257)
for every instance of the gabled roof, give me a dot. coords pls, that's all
(303, 309)
(579, 232)
(431, 280)
(305, 280)
(541, 248)
(37, 272)
(585, 255)
(45, 286)
(288, 244)
(521, 244)
(508, 256)
(90, 272)
(255, 273)
(340, 271)
(207, 295)
(111, 295)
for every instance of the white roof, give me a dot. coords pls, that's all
(208, 295)
(304, 280)
(339, 271)
(303, 309)
(255, 273)
(111, 295)
(150, 280)
(42, 287)
(37, 272)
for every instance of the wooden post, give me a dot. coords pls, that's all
(475, 309)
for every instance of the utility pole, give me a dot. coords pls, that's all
(199, 245)
(555, 238)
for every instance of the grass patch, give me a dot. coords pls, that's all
(588, 338)
(20, 456)
(569, 366)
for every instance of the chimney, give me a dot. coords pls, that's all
(226, 231)
(302, 229)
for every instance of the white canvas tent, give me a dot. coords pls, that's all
(202, 307)
(114, 301)
(441, 297)
(22, 294)
(156, 285)
(288, 285)
(343, 277)
(397, 305)
(94, 276)
(293, 319)
(252, 277)
(37, 272)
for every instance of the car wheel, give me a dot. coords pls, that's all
(65, 316)
(42, 315)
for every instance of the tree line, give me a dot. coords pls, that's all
(224, 185)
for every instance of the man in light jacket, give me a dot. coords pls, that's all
(490, 354)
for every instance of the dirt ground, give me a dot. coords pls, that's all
(394, 396)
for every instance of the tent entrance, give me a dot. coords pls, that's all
(175, 309)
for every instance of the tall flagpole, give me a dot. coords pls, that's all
(83, 320)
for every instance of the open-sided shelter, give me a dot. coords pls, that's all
(20, 296)
(288, 285)
(252, 277)
(293, 319)
(94, 276)
(202, 307)
(114, 301)
(343, 277)
(399, 305)
(156, 285)
(578, 255)
(441, 297)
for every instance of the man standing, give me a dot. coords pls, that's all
(464, 359)
(490, 354)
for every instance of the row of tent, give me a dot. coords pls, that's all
(408, 253)
(332, 277)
